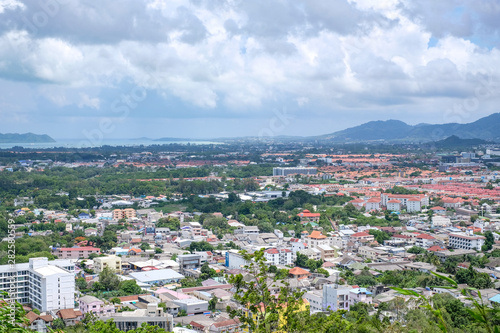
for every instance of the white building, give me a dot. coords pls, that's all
(413, 205)
(46, 285)
(440, 221)
(278, 256)
(466, 241)
(315, 299)
(394, 205)
(336, 297)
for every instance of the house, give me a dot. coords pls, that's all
(358, 295)
(439, 210)
(362, 237)
(70, 317)
(226, 326)
(152, 315)
(299, 273)
(134, 251)
(38, 323)
(91, 304)
(306, 215)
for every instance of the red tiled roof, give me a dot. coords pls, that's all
(360, 234)
(84, 248)
(298, 271)
(425, 236)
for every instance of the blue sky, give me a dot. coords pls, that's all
(206, 68)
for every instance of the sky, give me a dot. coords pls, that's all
(223, 68)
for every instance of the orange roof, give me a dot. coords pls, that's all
(317, 235)
(298, 271)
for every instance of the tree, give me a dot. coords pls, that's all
(416, 250)
(12, 316)
(182, 313)
(263, 311)
(200, 246)
(144, 246)
(58, 324)
(115, 300)
(81, 284)
(489, 241)
(212, 303)
(108, 279)
(130, 287)
(158, 250)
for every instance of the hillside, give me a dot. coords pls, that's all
(25, 138)
(486, 128)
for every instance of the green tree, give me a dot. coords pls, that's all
(108, 279)
(81, 284)
(130, 287)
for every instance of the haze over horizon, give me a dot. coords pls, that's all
(232, 68)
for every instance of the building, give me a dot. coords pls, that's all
(189, 261)
(299, 273)
(358, 295)
(404, 198)
(327, 252)
(306, 215)
(316, 239)
(152, 315)
(46, 285)
(394, 205)
(280, 171)
(158, 276)
(192, 306)
(425, 241)
(362, 237)
(336, 297)
(372, 204)
(127, 213)
(439, 221)
(234, 260)
(315, 299)
(466, 241)
(75, 252)
(277, 257)
(113, 262)
(91, 304)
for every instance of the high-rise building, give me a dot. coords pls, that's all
(279, 171)
(46, 285)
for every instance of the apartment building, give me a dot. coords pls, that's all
(113, 262)
(277, 257)
(127, 213)
(75, 252)
(46, 285)
(279, 171)
(316, 239)
(466, 241)
(336, 297)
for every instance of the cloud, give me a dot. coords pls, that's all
(236, 59)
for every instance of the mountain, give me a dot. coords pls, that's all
(25, 138)
(486, 128)
(172, 139)
(455, 141)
